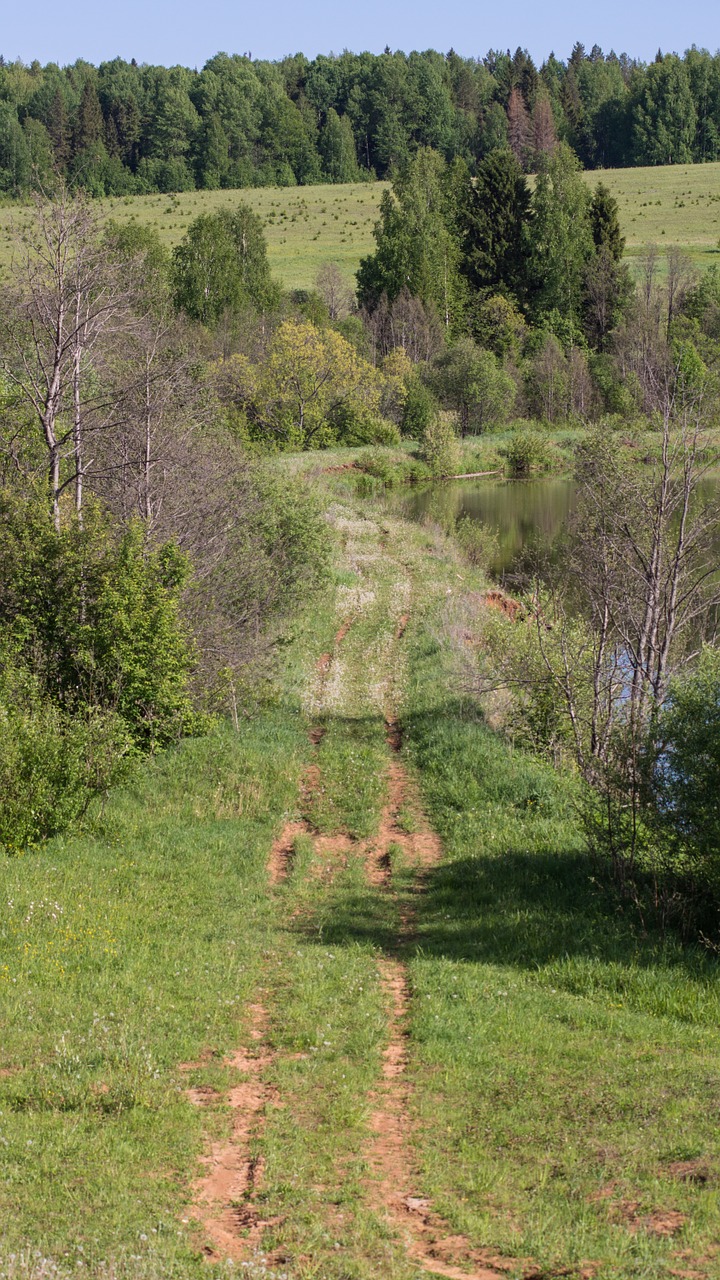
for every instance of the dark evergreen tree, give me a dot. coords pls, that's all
(493, 217)
(605, 222)
(89, 126)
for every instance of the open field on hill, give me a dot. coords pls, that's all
(668, 205)
(309, 226)
(305, 226)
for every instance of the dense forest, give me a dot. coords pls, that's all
(122, 128)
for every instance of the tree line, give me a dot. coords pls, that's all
(121, 128)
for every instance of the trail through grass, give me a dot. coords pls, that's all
(261, 1013)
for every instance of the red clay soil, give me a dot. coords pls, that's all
(341, 634)
(504, 604)
(428, 1240)
(689, 1171)
(660, 1222)
(402, 626)
(281, 853)
(224, 1196)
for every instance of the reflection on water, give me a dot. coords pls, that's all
(521, 513)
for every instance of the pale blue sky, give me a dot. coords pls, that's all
(190, 31)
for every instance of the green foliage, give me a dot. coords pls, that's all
(686, 773)
(440, 447)
(295, 539)
(96, 616)
(605, 222)
(664, 115)
(355, 424)
(478, 542)
(337, 147)
(417, 249)
(527, 452)
(473, 383)
(52, 763)
(562, 242)
(494, 219)
(420, 409)
(702, 303)
(239, 122)
(220, 267)
(499, 325)
(311, 386)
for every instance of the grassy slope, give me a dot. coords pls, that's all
(125, 953)
(561, 1058)
(309, 226)
(305, 226)
(666, 205)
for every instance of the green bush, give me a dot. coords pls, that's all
(440, 448)
(420, 409)
(528, 451)
(96, 616)
(687, 773)
(479, 543)
(355, 424)
(51, 763)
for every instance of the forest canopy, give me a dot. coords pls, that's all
(121, 128)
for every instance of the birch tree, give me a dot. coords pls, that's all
(66, 301)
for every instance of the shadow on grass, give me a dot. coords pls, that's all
(529, 898)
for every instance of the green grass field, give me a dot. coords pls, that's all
(668, 205)
(307, 227)
(559, 1062)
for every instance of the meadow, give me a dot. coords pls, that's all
(459, 1057)
(307, 227)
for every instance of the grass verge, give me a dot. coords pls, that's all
(566, 1061)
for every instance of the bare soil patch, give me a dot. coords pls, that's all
(282, 851)
(224, 1196)
(428, 1240)
(697, 1171)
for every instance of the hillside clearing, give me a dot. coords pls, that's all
(309, 226)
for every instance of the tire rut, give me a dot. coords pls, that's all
(429, 1242)
(224, 1201)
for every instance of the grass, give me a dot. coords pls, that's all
(307, 227)
(565, 1057)
(126, 952)
(561, 1058)
(668, 205)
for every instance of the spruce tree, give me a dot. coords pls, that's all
(493, 219)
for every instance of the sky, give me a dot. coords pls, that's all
(189, 32)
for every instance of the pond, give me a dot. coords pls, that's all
(520, 513)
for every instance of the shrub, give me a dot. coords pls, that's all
(687, 770)
(440, 447)
(97, 618)
(420, 410)
(526, 452)
(51, 763)
(355, 424)
(479, 543)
